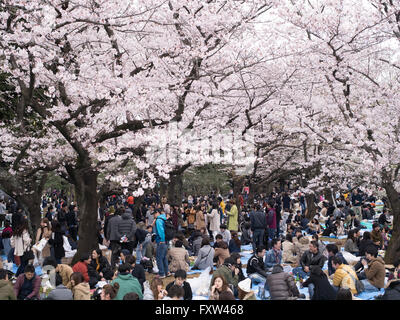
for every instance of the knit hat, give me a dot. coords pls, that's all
(245, 285)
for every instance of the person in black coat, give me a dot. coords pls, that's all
(57, 241)
(318, 285)
(137, 270)
(180, 277)
(100, 264)
(392, 291)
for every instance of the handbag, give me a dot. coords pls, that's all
(28, 255)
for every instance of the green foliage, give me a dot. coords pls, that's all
(202, 180)
(56, 182)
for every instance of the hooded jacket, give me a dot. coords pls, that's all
(126, 226)
(127, 283)
(81, 291)
(288, 252)
(6, 290)
(281, 284)
(376, 272)
(65, 272)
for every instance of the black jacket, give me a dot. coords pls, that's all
(256, 265)
(138, 272)
(258, 220)
(308, 259)
(104, 267)
(392, 292)
(364, 244)
(70, 218)
(58, 245)
(186, 287)
(323, 289)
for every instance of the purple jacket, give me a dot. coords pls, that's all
(36, 286)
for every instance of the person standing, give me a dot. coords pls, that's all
(162, 246)
(271, 220)
(112, 236)
(21, 242)
(233, 215)
(258, 224)
(214, 220)
(126, 230)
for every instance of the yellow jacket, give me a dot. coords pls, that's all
(222, 205)
(342, 278)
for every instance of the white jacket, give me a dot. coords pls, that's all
(21, 244)
(214, 220)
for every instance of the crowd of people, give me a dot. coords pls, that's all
(143, 245)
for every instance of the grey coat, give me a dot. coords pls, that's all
(126, 226)
(61, 292)
(205, 258)
(112, 228)
(197, 245)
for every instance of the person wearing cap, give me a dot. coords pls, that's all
(244, 289)
(227, 270)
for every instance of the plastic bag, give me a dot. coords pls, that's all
(40, 246)
(350, 258)
(201, 285)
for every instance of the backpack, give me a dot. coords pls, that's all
(169, 230)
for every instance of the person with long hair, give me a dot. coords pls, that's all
(80, 289)
(351, 242)
(218, 286)
(100, 264)
(155, 291)
(318, 285)
(41, 249)
(109, 292)
(57, 241)
(21, 242)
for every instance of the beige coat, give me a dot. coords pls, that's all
(179, 259)
(65, 272)
(376, 272)
(200, 220)
(221, 254)
(81, 291)
(301, 246)
(288, 252)
(214, 219)
(20, 244)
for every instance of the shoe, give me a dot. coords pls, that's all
(162, 277)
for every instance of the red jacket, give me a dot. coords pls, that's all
(82, 268)
(36, 286)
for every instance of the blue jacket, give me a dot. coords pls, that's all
(270, 260)
(160, 232)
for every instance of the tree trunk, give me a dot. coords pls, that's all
(175, 190)
(393, 251)
(311, 208)
(87, 199)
